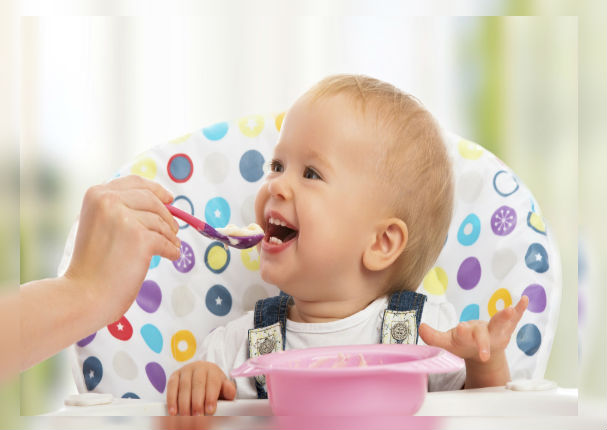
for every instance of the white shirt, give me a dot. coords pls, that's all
(228, 346)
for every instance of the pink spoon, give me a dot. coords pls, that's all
(241, 242)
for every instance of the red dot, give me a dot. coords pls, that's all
(121, 329)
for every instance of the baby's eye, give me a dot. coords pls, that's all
(310, 173)
(276, 166)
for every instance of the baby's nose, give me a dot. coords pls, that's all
(279, 187)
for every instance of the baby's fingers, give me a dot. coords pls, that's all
(508, 318)
(172, 390)
(228, 390)
(212, 394)
(434, 337)
(521, 306)
(184, 400)
(199, 379)
(481, 335)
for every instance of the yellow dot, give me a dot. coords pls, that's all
(181, 139)
(145, 167)
(469, 150)
(537, 222)
(250, 258)
(435, 281)
(179, 338)
(501, 294)
(278, 121)
(251, 125)
(217, 257)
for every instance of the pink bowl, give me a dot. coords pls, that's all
(349, 380)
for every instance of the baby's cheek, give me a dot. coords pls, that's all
(323, 249)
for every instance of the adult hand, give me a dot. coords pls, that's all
(122, 225)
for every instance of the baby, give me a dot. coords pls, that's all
(355, 208)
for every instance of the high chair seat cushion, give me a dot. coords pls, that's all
(498, 248)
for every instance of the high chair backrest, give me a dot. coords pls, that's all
(498, 248)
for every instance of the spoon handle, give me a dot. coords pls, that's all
(184, 216)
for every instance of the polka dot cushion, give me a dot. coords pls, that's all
(497, 249)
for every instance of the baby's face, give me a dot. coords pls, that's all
(319, 200)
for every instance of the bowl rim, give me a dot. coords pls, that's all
(440, 361)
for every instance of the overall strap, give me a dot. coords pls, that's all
(271, 311)
(408, 300)
(270, 322)
(403, 317)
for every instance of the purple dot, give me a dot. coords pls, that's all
(537, 298)
(149, 296)
(85, 341)
(503, 220)
(186, 260)
(469, 273)
(156, 376)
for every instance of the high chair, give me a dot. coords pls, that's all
(498, 249)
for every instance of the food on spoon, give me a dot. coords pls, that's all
(233, 230)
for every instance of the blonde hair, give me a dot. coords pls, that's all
(413, 167)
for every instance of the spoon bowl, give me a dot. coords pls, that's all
(240, 242)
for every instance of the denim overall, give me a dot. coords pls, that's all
(400, 325)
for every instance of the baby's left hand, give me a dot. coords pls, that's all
(477, 340)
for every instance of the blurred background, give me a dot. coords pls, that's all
(97, 91)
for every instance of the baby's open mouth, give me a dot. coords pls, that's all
(277, 232)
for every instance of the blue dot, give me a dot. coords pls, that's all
(92, 370)
(529, 339)
(218, 300)
(537, 258)
(180, 168)
(130, 395)
(183, 224)
(469, 230)
(155, 261)
(152, 337)
(470, 312)
(217, 212)
(215, 131)
(505, 183)
(251, 165)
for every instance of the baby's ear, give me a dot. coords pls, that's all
(387, 244)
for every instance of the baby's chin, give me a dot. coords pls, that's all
(275, 276)
(267, 274)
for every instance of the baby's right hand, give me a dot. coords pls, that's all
(196, 385)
